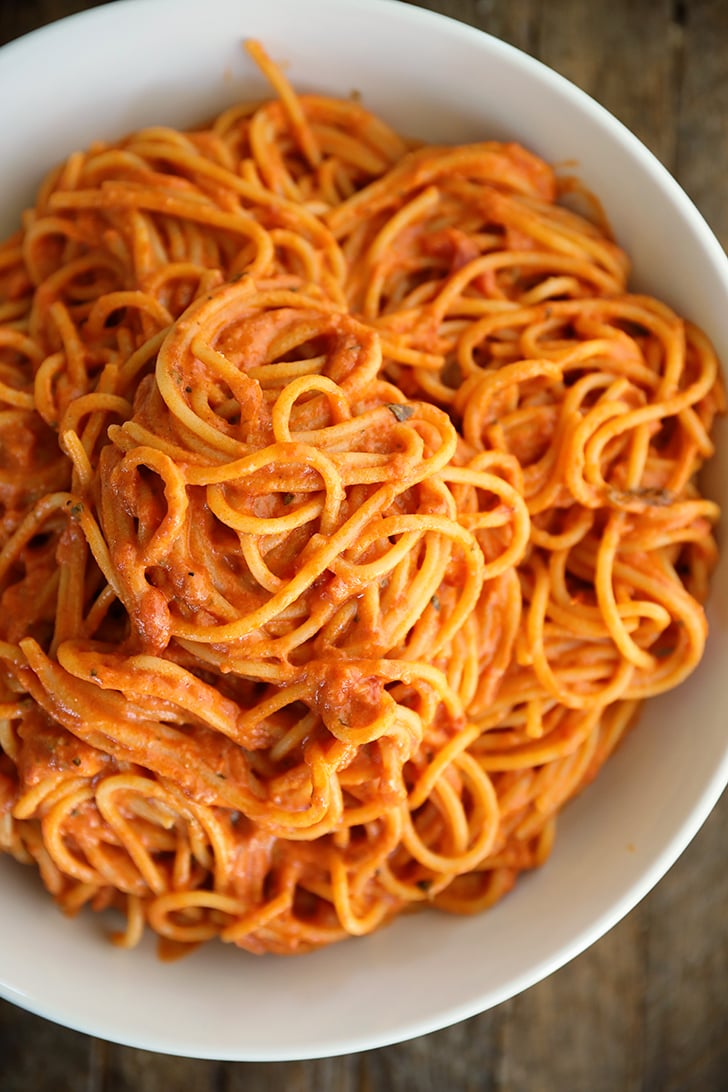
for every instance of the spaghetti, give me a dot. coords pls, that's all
(349, 512)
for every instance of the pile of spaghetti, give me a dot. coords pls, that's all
(348, 512)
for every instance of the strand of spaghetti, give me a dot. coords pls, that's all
(444, 758)
(289, 101)
(151, 675)
(43, 510)
(72, 446)
(305, 384)
(71, 588)
(259, 525)
(97, 402)
(162, 750)
(72, 345)
(13, 397)
(277, 455)
(254, 920)
(606, 599)
(691, 622)
(536, 614)
(661, 410)
(337, 544)
(44, 792)
(211, 827)
(160, 909)
(124, 830)
(175, 495)
(134, 929)
(484, 796)
(51, 825)
(550, 747)
(212, 315)
(105, 306)
(354, 924)
(505, 165)
(118, 195)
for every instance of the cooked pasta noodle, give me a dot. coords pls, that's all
(349, 512)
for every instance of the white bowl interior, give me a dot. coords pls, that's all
(145, 61)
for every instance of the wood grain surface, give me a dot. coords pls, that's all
(646, 1008)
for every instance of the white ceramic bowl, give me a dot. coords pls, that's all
(177, 61)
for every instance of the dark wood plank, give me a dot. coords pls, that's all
(466, 1057)
(320, 1075)
(38, 1055)
(21, 16)
(686, 1001)
(626, 55)
(702, 110)
(514, 21)
(582, 1027)
(128, 1070)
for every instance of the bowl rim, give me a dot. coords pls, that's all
(17, 52)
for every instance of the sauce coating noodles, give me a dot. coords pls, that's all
(348, 512)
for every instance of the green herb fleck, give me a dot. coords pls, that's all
(435, 601)
(288, 498)
(76, 761)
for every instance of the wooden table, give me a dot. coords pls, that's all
(646, 1008)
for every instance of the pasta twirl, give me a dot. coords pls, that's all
(349, 513)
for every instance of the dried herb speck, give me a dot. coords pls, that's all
(400, 411)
